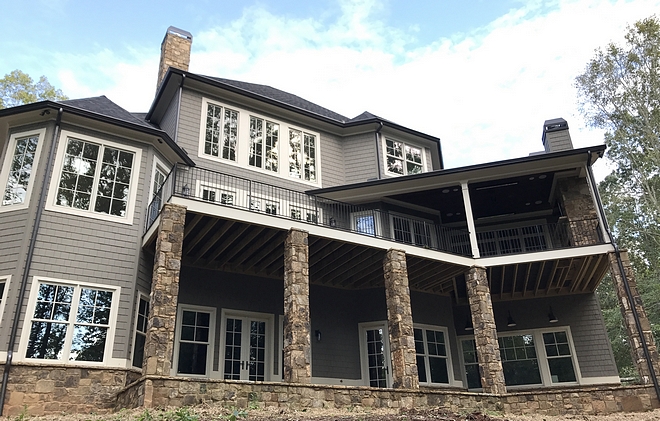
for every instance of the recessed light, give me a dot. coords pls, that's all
(531, 178)
(458, 213)
(527, 204)
(541, 177)
(445, 191)
(538, 202)
(455, 189)
(450, 214)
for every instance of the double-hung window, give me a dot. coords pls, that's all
(432, 355)
(17, 176)
(195, 327)
(402, 158)
(221, 136)
(70, 322)
(140, 331)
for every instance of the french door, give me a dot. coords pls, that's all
(246, 348)
(375, 350)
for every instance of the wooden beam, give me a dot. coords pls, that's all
(247, 253)
(353, 261)
(515, 278)
(331, 259)
(239, 246)
(529, 271)
(189, 227)
(226, 242)
(202, 233)
(538, 278)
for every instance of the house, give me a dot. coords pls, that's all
(238, 243)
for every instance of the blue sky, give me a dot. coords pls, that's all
(481, 75)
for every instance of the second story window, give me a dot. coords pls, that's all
(17, 177)
(221, 132)
(403, 159)
(302, 160)
(264, 139)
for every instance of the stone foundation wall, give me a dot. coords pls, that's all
(56, 389)
(592, 400)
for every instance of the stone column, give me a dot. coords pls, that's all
(580, 211)
(297, 329)
(638, 355)
(159, 343)
(485, 331)
(400, 321)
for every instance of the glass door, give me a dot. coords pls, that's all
(376, 356)
(245, 349)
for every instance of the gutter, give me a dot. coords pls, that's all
(377, 136)
(28, 261)
(178, 109)
(626, 284)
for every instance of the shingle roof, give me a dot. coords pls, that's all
(102, 105)
(283, 97)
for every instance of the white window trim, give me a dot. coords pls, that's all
(405, 169)
(270, 340)
(450, 367)
(177, 340)
(57, 172)
(108, 360)
(144, 296)
(517, 225)
(364, 363)
(539, 345)
(243, 143)
(6, 280)
(378, 228)
(414, 219)
(4, 173)
(158, 164)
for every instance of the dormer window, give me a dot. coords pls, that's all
(402, 158)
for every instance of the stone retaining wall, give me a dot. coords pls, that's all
(43, 389)
(169, 391)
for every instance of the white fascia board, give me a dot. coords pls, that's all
(545, 255)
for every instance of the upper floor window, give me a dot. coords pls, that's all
(95, 177)
(402, 158)
(18, 169)
(233, 135)
(264, 139)
(221, 132)
(4, 281)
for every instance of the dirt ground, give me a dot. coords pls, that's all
(217, 413)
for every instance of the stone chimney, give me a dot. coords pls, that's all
(174, 51)
(555, 135)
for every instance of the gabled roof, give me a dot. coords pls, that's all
(103, 105)
(283, 97)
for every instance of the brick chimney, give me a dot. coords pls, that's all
(174, 51)
(555, 135)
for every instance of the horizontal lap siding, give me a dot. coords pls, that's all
(168, 122)
(188, 138)
(360, 158)
(84, 249)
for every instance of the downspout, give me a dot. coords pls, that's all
(377, 137)
(178, 109)
(28, 262)
(624, 279)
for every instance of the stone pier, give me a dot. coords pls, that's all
(636, 349)
(400, 321)
(297, 339)
(578, 204)
(485, 331)
(159, 344)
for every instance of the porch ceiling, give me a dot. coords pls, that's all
(574, 275)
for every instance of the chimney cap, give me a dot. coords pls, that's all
(180, 32)
(554, 125)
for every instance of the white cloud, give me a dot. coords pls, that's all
(485, 93)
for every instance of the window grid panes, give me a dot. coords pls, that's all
(403, 159)
(221, 132)
(431, 352)
(264, 145)
(57, 335)
(20, 170)
(471, 362)
(302, 157)
(233, 342)
(558, 351)
(519, 360)
(376, 358)
(193, 342)
(95, 177)
(140, 332)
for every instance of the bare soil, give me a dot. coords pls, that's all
(218, 413)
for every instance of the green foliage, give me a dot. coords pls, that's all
(18, 88)
(619, 92)
(236, 415)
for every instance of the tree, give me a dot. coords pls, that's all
(619, 91)
(18, 88)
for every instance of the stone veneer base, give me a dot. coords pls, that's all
(43, 390)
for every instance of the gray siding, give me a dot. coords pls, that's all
(82, 249)
(188, 138)
(437, 310)
(168, 122)
(579, 312)
(360, 160)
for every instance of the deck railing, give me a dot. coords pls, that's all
(228, 190)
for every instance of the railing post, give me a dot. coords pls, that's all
(249, 204)
(174, 171)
